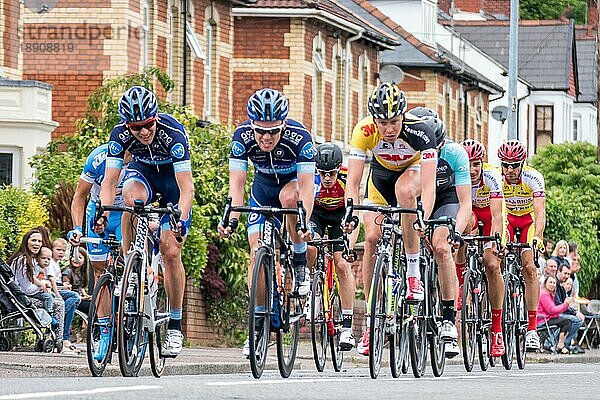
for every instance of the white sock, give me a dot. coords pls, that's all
(412, 264)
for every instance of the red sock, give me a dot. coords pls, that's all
(496, 320)
(532, 320)
(460, 273)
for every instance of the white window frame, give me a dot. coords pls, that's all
(194, 43)
(318, 61)
(16, 163)
(576, 132)
(317, 101)
(146, 30)
(208, 75)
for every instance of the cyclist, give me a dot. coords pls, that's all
(89, 183)
(161, 164)
(328, 212)
(453, 199)
(525, 200)
(282, 152)
(488, 200)
(403, 167)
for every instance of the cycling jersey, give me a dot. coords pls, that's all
(170, 146)
(452, 170)
(416, 136)
(488, 187)
(519, 197)
(333, 198)
(293, 154)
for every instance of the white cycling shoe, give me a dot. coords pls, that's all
(173, 343)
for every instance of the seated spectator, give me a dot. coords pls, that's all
(76, 275)
(560, 253)
(546, 254)
(570, 313)
(550, 312)
(549, 270)
(575, 267)
(573, 252)
(71, 298)
(23, 264)
(568, 286)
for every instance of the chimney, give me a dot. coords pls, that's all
(497, 7)
(444, 5)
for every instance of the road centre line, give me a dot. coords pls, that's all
(18, 396)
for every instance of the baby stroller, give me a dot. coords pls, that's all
(18, 313)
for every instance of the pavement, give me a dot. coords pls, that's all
(212, 360)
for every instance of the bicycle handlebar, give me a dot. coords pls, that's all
(300, 211)
(387, 210)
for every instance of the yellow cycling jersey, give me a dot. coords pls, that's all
(519, 197)
(397, 156)
(488, 187)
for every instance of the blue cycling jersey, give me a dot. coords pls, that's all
(452, 170)
(293, 154)
(170, 145)
(93, 172)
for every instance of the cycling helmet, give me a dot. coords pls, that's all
(137, 104)
(267, 105)
(423, 112)
(512, 151)
(439, 129)
(329, 157)
(387, 101)
(475, 149)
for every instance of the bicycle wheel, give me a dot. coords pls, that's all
(287, 335)
(508, 325)
(521, 325)
(103, 293)
(484, 341)
(318, 322)
(334, 331)
(436, 345)
(468, 319)
(259, 321)
(131, 338)
(378, 317)
(161, 315)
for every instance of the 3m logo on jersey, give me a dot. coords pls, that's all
(308, 151)
(178, 151)
(114, 148)
(368, 130)
(237, 149)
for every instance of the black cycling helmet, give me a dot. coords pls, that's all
(329, 157)
(423, 112)
(438, 127)
(387, 101)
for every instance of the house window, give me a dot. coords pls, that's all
(317, 101)
(576, 128)
(338, 99)
(208, 71)
(8, 166)
(146, 32)
(544, 121)
(363, 93)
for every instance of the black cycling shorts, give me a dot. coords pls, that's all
(322, 220)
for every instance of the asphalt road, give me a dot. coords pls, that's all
(537, 381)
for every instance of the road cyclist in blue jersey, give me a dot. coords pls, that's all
(452, 199)
(160, 149)
(283, 154)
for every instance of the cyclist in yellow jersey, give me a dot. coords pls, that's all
(487, 198)
(525, 200)
(403, 167)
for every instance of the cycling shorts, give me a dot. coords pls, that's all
(264, 192)
(522, 222)
(100, 252)
(484, 215)
(322, 220)
(381, 184)
(158, 180)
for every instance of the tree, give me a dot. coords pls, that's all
(552, 9)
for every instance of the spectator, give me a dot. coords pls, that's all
(71, 298)
(545, 255)
(550, 312)
(560, 253)
(46, 241)
(570, 313)
(575, 267)
(549, 270)
(568, 286)
(76, 275)
(23, 263)
(573, 252)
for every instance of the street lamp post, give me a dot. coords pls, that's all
(513, 58)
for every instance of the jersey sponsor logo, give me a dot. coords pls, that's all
(418, 133)
(385, 145)
(164, 136)
(395, 157)
(178, 151)
(279, 152)
(124, 136)
(114, 148)
(98, 160)
(429, 155)
(294, 137)
(237, 149)
(308, 151)
(247, 136)
(253, 218)
(368, 130)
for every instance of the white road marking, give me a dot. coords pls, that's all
(78, 392)
(278, 381)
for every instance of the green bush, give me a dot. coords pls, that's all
(572, 178)
(19, 212)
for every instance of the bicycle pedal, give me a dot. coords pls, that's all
(168, 356)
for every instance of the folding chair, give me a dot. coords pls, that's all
(591, 325)
(548, 332)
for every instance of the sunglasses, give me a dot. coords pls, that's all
(514, 165)
(274, 130)
(144, 125)
(332, 172)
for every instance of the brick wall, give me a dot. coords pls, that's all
(9, 47)
(196, 327)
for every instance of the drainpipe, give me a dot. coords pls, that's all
(184, 80)
(347, 90)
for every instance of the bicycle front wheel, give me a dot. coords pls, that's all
(337, 320)
(436, 345)
(468, 320)
(508, 325)
(378, 317)
(259, 312)
(521, 326)
(132, 343)
(161, 316)
(318, 322)
(484, 341)
(287, 334)
(102, 299)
